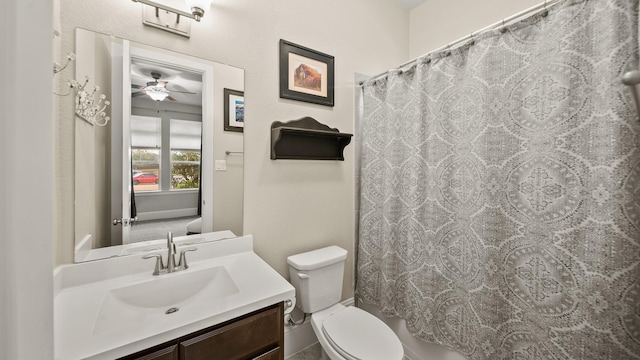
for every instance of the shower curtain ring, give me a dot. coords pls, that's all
(544, 12)
(503, 29)
(473, 40)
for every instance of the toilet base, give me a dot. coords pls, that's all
(316, 323)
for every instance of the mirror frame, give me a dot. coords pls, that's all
(83, 249)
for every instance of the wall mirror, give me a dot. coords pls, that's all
(164, 162)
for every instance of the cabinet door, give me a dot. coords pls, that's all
(168, 353)
(247, 338)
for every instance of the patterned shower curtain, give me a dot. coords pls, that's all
(500, 190)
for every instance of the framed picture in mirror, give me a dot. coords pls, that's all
(306, 75)
(233, 110)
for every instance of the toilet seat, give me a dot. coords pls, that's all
(357, 335)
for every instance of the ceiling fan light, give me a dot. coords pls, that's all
(157, 93)
(159, 96)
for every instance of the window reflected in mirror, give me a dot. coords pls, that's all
(186, 144)
(146, 153)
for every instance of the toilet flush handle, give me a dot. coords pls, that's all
(303, 276)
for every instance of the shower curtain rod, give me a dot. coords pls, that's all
(540, 7)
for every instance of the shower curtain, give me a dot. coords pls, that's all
(500, 190)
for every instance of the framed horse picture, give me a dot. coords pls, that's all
(306, 75)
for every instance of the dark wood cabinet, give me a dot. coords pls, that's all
(165, 351)
(275, 354)
(255, 336)
(245, 338)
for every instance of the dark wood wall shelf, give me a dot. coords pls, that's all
(307, 139)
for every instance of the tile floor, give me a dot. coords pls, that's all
(313, 352)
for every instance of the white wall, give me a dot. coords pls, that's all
(436, 23)
(26, 217)
(290, 206)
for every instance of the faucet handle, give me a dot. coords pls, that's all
(159, 263)
(183, 258)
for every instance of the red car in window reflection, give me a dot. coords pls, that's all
(145, 178)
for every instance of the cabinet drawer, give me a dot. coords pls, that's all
(248, 338)
(270, 355)
(168, 353)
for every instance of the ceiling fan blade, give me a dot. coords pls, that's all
(162, 83)
(170, 98)
(178, 88)
(140, 93)
(182, 92)
(134, 86)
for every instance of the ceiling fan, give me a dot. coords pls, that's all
(156, 89)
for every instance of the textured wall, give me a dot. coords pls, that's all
(290, 206)
(436, 23)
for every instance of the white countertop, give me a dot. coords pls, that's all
(84, 252)
(83, 331)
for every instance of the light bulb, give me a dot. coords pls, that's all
(157, 93)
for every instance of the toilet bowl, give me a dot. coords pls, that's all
(353, 334)
(344, 332)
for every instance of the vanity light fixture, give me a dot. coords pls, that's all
(198, 8)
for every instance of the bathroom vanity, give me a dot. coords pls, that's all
(229, 304)
(259, 336)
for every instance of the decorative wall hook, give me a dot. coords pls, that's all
(88, 107)
(59, 67)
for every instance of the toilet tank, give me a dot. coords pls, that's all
(317, 277)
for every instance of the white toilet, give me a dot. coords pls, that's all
(344, 332)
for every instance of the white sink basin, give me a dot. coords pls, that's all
(155, 300)
(172, 289)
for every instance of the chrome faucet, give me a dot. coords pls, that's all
(171, 253)
(160, 268)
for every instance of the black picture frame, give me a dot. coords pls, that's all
(233, 110)
(306, 75)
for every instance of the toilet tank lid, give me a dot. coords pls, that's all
(317, 258)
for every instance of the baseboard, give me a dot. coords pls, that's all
(298, 337)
